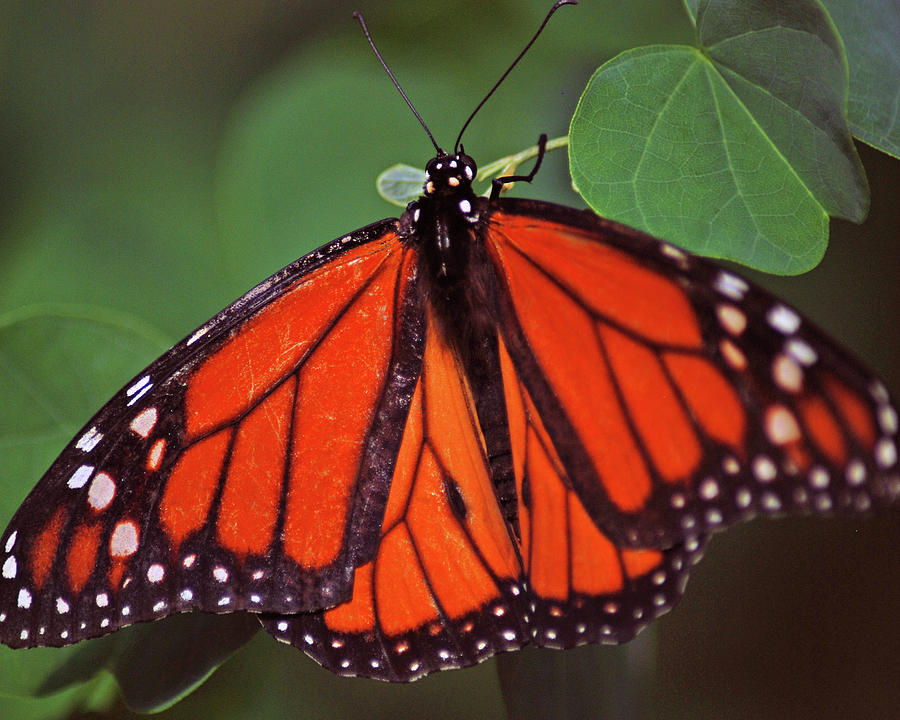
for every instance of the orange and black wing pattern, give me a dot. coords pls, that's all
(676, 398)
(583, 588)
(414, 448)
(247, 468)
(445, 587)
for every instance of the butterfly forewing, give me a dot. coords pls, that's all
(189, 489)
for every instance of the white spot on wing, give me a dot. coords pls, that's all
(197, 335)
(154, 457)
(673, 252)
(732, 354)
(731, 285)
(155, 573)
(801, 351)
(783, 319)
(10, 568)
(787, 373)
(138, 386)
(102, 491)
(886, 453)
(144, 422)
(136, 391)
(818, 478)
(80, 477)
(24, 598)
(731, 318)
(709, 489)
(764, 469)
(887, 418)
(781, 426)
(89, 440)
(124, 539)
(856, 473)
(11, 540)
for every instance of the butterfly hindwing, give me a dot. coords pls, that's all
(444, 588)
(679, 397)
(582, 587)
(191, 489)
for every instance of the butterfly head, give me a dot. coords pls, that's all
(449, 174)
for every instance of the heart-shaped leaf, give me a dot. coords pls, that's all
(737, 148)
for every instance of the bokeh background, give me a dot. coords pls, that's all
(158, 159)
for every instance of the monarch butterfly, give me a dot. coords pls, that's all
(531, 419)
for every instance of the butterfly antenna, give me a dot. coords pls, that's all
(358, 16)
(515, 62)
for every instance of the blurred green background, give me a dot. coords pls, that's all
(158, 159)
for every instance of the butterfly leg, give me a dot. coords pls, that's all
(498, 183)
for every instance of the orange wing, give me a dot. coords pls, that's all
(201, 485)
(676, 397)
(582, 587)
(444, 589)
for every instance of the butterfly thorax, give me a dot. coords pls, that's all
(441, 222)
(445, 226)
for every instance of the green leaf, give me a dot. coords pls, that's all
(400, 184)
(162, 662)
(737, 149)
(870, 30)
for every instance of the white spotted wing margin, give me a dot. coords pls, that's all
(516, 619)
